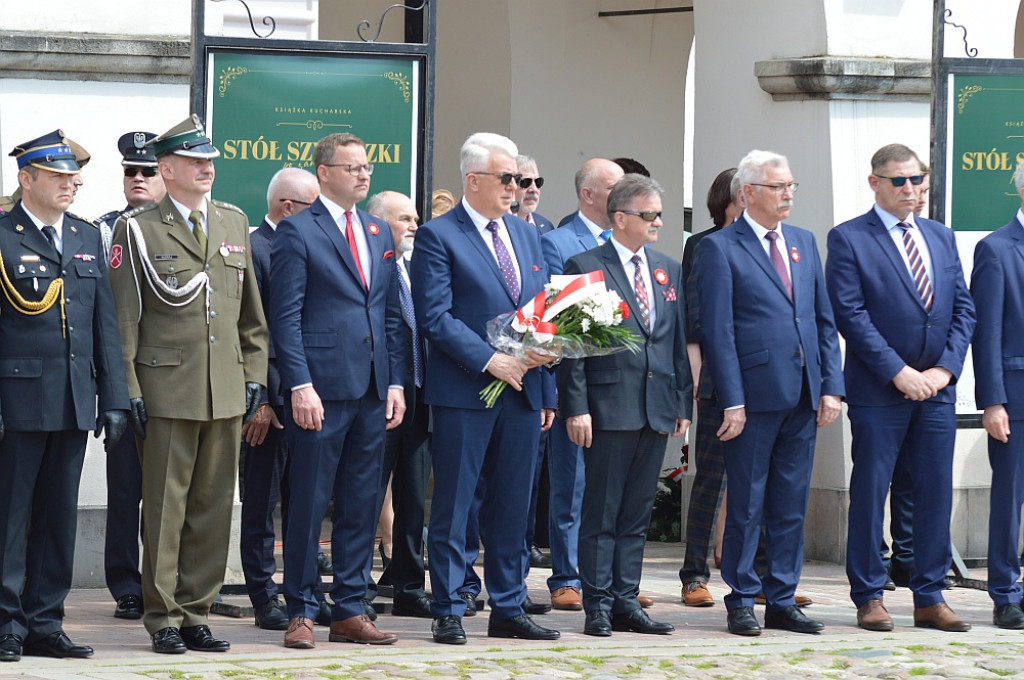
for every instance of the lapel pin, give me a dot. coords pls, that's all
(373, 228)
(74, 229)
(794, 254)
(19, 228)
(660, 276)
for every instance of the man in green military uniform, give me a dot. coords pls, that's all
(194, 341)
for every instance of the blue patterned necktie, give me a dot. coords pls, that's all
(917, 269)
(508, 271)
(605, 235)
(405, 298)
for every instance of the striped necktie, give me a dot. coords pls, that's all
(917, 269)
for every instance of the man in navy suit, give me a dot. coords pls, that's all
(335, 315)
(590, 228)
(624, 438)
(771, 345)
(901, 303)
(471, 265)
(291, 190)
(997, 285)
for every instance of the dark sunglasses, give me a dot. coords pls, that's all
(646, 215)
(505, 178)
(525, 182)
(146, 172)
(294, 200)
(900, 181)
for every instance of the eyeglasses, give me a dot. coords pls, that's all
(130, 172)
(353, 170)
(778, 188)
(525, 182)
(900, 181)
(646, 215)
(294, 200)
(505, 178)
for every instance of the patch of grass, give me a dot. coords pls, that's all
(559, 648)
(840, 664)
(665, 664)
(794, 660)
(1001, 672)
(919, 670)
(706, 664)
(592, 660)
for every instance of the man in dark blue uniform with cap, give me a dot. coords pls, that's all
(142, 185)
(59, 352)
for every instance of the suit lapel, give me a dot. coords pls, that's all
(31, 237)
(178, 229)
(613, 267)
(72, 244)
(795, 268)
(474, 236)
(888, 247)
(749, 242)
(374, 252)
(323, 219)
(587, 239)
(217, 232)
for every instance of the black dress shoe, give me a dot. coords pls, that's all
(743, 622)
(534, 608)
(128, 607)
(200, 639)
(889, 583)
(599, 624)
(323, 564)
(10, 647)
(470, 600)
(792, 619)
(448, 630)
(168, 641)
(1009, 616)
(57, 645)
(539, 560)
(419, 607)
(323, 618)
(385, 561)
(900, 577)
(520, 626)
(368, 609)
(271, 615)
(637, 621)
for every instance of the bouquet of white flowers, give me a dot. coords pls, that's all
(573, 317)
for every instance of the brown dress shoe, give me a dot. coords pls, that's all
(359, 629)
(566, 597)
(872, 615)
(644, 601)
(696, 594)
(940, 616)
(798, 600)
(300, 634)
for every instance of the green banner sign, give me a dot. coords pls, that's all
(986, 117)
(266, 111)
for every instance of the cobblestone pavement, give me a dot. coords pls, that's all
(700, 647)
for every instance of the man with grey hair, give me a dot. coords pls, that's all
(625, 439)
(900, 301)
(291, 190)
(406, 454)
(770, 342)
(528, 194)
(471, 265)
(996, 284)
(589, 229)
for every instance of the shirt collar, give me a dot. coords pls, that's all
(760, 230)
(479, 221)
(266, 218)
(625, 254)
(593, 227)
(58, 225)
(184, 210)
(890, 221)
(1020, 217)
(337, 212)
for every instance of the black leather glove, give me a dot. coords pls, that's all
(115, 422)
(252, 400)
(138, 417)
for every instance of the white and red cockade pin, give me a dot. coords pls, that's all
(373, 228)
(794, 254)
(660, 276)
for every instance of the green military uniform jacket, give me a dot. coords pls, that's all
(183, 366)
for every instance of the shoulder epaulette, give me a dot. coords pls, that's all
(107, 217)
(80, 219)
(229, 206)
(141, 209)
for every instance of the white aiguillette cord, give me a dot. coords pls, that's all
(190, 291)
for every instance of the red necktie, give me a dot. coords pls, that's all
(640, 289)
(350, 236)
(777, 261)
